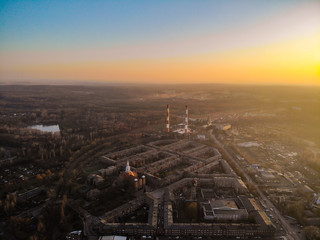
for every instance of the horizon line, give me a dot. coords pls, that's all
(123, 84)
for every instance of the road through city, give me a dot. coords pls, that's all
(290, 232)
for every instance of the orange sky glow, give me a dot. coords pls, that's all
(264, 52)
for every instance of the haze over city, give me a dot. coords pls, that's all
(242, 42)
(135, 120)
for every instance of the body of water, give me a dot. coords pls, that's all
(50, 128)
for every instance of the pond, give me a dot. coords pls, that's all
(49, 128)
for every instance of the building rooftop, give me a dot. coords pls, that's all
(223, 204)
(267, 175)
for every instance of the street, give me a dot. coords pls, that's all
(288, 229)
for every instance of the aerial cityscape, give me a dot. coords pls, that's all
(160, 120)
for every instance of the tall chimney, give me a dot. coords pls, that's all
(143, 180)
(136, 184)
(168, 119)
(186, 127)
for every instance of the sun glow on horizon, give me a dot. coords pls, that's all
(259, 53)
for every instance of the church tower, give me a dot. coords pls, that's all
(128, 168)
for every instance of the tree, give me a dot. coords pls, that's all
(312, 232)
(192, 211)
(296, 210)
(39, 177)
(252, 188)
(63, 205)
(10, 203)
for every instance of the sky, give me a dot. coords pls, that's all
(226, 41)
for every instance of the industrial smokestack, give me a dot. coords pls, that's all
(143, 180)
(136, 184)
(186, 127)
(168, 119)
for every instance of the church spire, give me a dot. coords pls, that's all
(128, 167)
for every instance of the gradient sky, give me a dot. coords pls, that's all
(227, 41)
